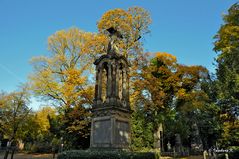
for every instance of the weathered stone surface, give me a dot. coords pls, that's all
(102, 131)
(110, 127)
(122, 135)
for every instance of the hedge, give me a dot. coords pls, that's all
(103, 154)
(231, 155)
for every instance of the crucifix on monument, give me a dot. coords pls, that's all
(114, 36)
(110, 127)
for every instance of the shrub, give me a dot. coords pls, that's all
(234, 154)
(41, 148)
(102, 154)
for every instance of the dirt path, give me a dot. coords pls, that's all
(29, 156)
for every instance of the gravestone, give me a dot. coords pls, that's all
(196, 142)
(178, 143)
(110, 127)
(158, 138)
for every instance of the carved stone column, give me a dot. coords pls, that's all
(124, 83)
(99, 97)
(113, 80)
(127, 87)
(109, 83)
(117, 82)
(96, 86)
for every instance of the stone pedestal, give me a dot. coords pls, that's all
(110, 129)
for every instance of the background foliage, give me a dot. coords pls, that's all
(184, 99)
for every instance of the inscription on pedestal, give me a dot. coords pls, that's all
(102, 132)
(122, 132)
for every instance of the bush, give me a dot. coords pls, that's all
(38, 148)
(234, 154)
(231, 155)
(102, 154)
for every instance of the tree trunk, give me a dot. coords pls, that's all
(13, 150)
(6, 153)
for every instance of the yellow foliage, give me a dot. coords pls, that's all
(181, 93)
(131, 23)
(166, 57)
(165, 80)
(42, 118)
(62, 77)
(120, 19)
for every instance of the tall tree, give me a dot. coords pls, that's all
(65, 78)
(167, 89)
(14, 111)
(227, 47)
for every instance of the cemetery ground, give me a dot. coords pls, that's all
(22, 155)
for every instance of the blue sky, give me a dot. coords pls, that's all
(184, 28)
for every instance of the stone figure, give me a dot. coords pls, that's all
(169, 146)
(114, 36)
(178, 143)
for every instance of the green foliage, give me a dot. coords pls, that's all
(231, 155)
(142, 132)
(68, 126)
(14, 112)
(101, 154)
(227, 46)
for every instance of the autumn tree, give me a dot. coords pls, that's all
(170, 93)
(38, 137)
(42, 116)
(29, 131)
(132, 24)
(227, 72)
(64, 77)
(14, 111)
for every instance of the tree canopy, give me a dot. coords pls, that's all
(227, 47)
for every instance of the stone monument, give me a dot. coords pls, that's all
(110, 127)
(196, 142)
